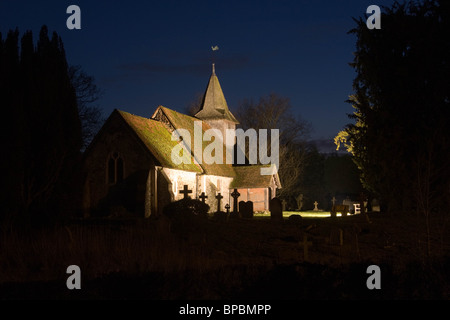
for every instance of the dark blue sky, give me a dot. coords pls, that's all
(146, 53)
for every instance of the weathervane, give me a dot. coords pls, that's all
(213, 48)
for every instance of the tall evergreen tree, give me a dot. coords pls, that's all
(44, 133)
(400, 138)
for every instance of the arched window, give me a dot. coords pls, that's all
(115, 168)
(119, 169)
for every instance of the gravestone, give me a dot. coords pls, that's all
(250, 209)
(203, 196)
(246, 209)
(218, 197)
(235, 194)
(333, 201)
(227, 207)
(299, 200)
(315, 206)
(295, 219)
(241, 207)
(185, 192)
(276, 210)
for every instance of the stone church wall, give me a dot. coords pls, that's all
(127, 194)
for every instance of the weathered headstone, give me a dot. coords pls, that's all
(276, 210)
(250, 209)
(333, 200)
(227, 207)
(295, 219)
(315, 206)
(242, 208)
(185, 191)
(246, 209)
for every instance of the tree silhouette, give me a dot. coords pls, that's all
(400, 138)
(275, 112)
(87, 94)
(42, 131)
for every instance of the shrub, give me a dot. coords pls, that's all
(186, 209)
(186, 215)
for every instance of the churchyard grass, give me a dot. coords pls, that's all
(224, 259)
(303, 214)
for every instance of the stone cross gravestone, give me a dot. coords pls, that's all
(203, 196)
(185, 192)
(235, 194)
(333, 200)
(315, 206)
(219, 197)
(276, 210)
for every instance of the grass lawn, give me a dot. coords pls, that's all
(257, 258)
(304, 214)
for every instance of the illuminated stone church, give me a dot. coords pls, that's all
(129, 167)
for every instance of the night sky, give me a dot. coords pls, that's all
(146, 53)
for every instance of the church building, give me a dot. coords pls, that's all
(129, 165)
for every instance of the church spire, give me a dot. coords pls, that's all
(214, 106)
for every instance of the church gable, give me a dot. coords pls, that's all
(161, 116)
(117, 167)
(113, 137)
(176, 120)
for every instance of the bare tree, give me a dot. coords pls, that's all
(194, 106)
(275, 112)
(87, 94)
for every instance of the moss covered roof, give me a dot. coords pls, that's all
(251, 177)
(182, 121)
(157, 139)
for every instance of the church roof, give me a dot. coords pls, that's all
(156, 136)
(251, 177)
(214, 105)
(157, 139)
(179, 120)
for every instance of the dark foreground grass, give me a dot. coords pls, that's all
(236, 259)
